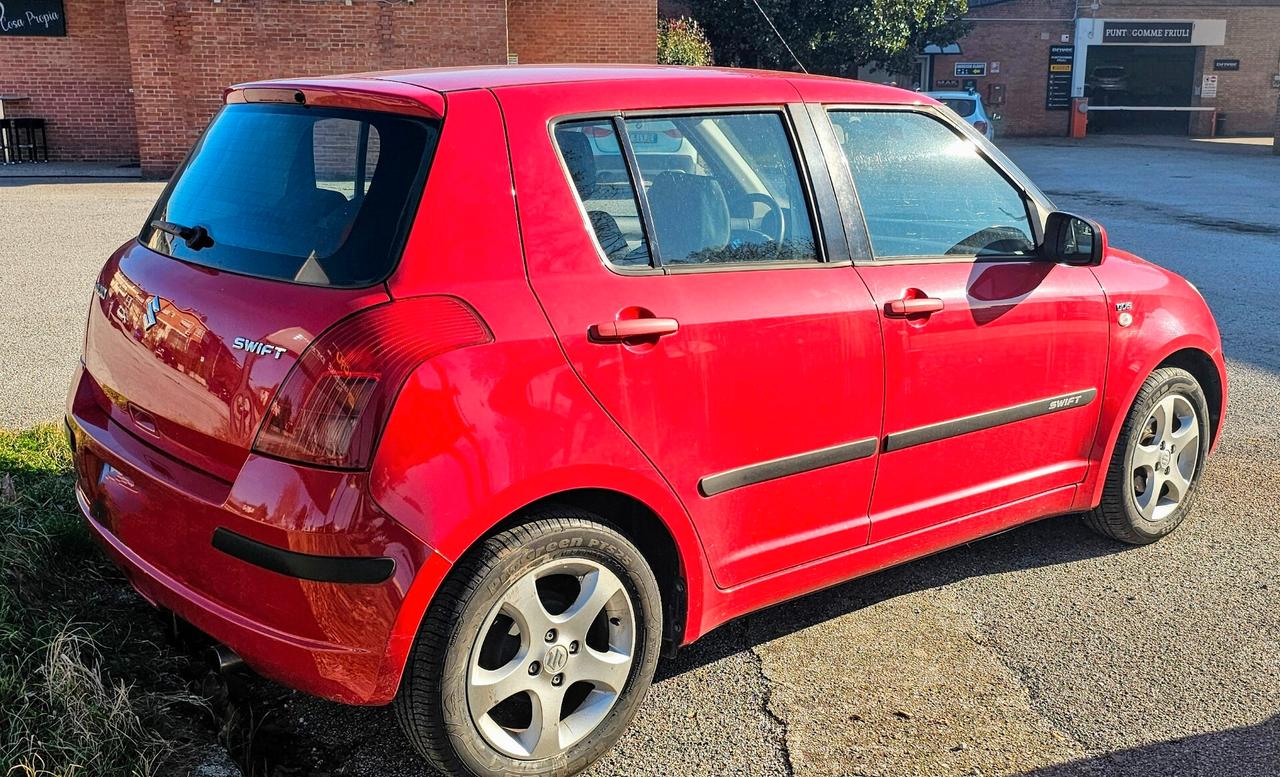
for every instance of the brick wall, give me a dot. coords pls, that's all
(583, 30)
(139, 79)
(79, 83)
(1253, 37)
(1018, 36)
(185, 52)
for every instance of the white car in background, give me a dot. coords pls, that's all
(968, 105)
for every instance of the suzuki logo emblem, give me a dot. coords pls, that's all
(153, 309)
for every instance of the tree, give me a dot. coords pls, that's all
(829, 36)
(682, 42)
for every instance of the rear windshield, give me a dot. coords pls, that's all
(317, 196)
(961, 106)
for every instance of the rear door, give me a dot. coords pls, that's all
(993, 357)
(284, 220)
(703, 311)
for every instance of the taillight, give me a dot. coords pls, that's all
(980, 126)
(336, 399)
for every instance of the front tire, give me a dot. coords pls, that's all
(1155, 469)
(537, 651)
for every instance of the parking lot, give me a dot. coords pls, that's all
(1045, 650)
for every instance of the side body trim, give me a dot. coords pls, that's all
(787, 465)
(324, 569)
(973, 423)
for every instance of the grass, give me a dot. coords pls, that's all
(64, 712)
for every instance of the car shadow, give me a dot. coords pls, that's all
(1059, 540)
(1246, 751)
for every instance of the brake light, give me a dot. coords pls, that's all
(336, 399)
(980, 126)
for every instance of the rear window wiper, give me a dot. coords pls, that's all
(196, 237)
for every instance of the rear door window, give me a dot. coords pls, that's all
(723, 188)
(298, 194)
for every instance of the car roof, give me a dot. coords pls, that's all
(450, 79)
(954, 95)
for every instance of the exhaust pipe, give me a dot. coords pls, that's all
(224, 659)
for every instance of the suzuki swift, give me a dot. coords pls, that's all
(472, 391)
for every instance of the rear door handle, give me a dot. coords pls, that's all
(900, 308)
(633, 328)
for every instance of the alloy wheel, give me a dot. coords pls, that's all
(552, 658)
(1164, 461)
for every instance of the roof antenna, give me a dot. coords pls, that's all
(784, 40)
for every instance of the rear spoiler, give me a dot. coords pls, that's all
(368, 94)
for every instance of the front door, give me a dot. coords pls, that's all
(701, 311)
(994, 359)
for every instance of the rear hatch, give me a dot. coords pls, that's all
(285, 219)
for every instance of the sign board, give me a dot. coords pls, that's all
(33, 17)
(1209, 86)
(971, 69)
(1275, 81)
(1178, 33)
(947, 83)
(1226, 64)
(1057, 92)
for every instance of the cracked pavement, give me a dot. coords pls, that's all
(1045, 651)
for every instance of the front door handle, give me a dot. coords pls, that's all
(910, 306)
(633, 329)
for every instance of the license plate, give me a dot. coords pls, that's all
(644, 138)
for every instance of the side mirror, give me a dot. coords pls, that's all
(1071, 239)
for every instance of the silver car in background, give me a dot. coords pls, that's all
(968, 106)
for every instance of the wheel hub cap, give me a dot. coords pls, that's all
(556, 658)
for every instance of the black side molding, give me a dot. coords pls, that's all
(322, 569)
(788, 465)
(973, 423)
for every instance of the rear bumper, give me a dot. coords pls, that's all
(306, 581)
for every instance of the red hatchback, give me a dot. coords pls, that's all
(473, 390)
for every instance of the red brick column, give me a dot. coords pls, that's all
(583, 31)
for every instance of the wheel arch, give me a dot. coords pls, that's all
(640, 524)
(1202, 367)
(1198, 356)
(669, 544)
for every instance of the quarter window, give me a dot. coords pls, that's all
(591, 153)
(723, 188)
(926, 191)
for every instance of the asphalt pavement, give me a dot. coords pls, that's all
(1045, 650)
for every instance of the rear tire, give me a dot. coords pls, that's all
(1155, 470)
(560, 615)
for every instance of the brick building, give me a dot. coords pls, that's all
(137, 80)
(1171, 54)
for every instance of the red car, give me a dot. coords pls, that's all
(474, 390)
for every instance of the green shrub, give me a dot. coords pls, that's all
(682, 42)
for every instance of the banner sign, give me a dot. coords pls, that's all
(1147, 32)
(971, 69)
(33, 17)
(1057, 94)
